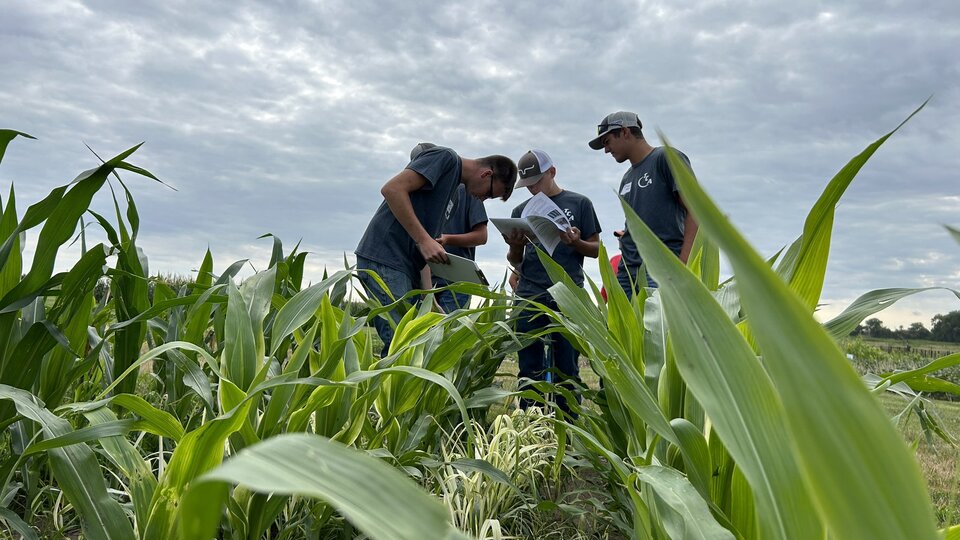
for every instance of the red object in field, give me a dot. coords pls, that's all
(614, 263)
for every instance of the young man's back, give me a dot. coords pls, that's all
(402, 236)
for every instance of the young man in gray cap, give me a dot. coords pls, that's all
(401, 237)
(649, 187)
(582, 239)
(465, 229)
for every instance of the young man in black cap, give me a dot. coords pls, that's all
(649, 187)
(582, 239)
(465, 229)
(401, 237)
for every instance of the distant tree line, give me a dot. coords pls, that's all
(943, 328)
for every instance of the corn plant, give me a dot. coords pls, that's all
(792, 444)
(504, 473)
(243, 368)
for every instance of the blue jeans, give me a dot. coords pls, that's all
(398, 282)
(627, 277)
(450, 301)
(552, 351)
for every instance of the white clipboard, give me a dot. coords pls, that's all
(459, 269)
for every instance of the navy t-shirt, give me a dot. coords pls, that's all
(468, 212)
(651, 191)
(386, 241)
(534, 280)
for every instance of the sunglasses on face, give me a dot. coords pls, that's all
(604, 127)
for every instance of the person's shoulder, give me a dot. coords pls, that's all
(661, 153)
(574, 196)
(436, 154)
(519, 208)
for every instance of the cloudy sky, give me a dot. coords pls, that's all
(287, 117)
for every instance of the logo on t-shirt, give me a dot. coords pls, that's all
(450, 204)
(569, 214)
(644, 180)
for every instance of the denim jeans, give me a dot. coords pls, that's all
(399, 284)
(450, 301)
(628, 276)
(552, 351)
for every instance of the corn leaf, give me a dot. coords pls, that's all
(362, 488)
(77, 472)
(722, 371)
(862, 478)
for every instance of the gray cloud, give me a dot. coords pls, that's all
(287, 117)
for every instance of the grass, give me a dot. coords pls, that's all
(938, 459)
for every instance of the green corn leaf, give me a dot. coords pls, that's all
(153, 420)
(925, 383)
(82, 435)
(862, 478)
(239, 360)
(140, 479)
(683, 511)
(485, 468)
(620, 366)
(199, 451)
(77, 472)
(7, 135)
(953, 232)
(12, 267)
(17, 525)
(301, 308)
(722, 371)
(868, 304)
(806, 279)
(362, 488)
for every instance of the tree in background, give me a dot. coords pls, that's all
(916, 331)
(946, 327)
(874, 328)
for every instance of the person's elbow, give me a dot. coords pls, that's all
(389, 190)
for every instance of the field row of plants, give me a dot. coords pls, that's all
(262, 409)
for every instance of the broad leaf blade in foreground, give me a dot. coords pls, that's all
(720, 368)
(862, 477)
(378, 499)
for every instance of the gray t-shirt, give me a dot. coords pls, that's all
(534, 280)
(468, 212)
(386, 241)
(651, 191)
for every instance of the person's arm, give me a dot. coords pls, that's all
(588, 248)
(397, 192)
(426, 277)
(474, 238)
(690, 228)
(516, 240)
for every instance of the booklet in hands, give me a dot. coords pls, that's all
(459, 269)
(541, 220)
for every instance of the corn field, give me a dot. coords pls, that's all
(262, 409)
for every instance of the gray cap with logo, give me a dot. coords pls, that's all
(613, 122)
(531, 167)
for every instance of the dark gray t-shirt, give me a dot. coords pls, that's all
(386, 241)
(534, 280)
(467, 214)
(651, 191)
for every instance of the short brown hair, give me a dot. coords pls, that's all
(634, 130)
(504, 171)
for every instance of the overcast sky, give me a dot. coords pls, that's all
(287, 117)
